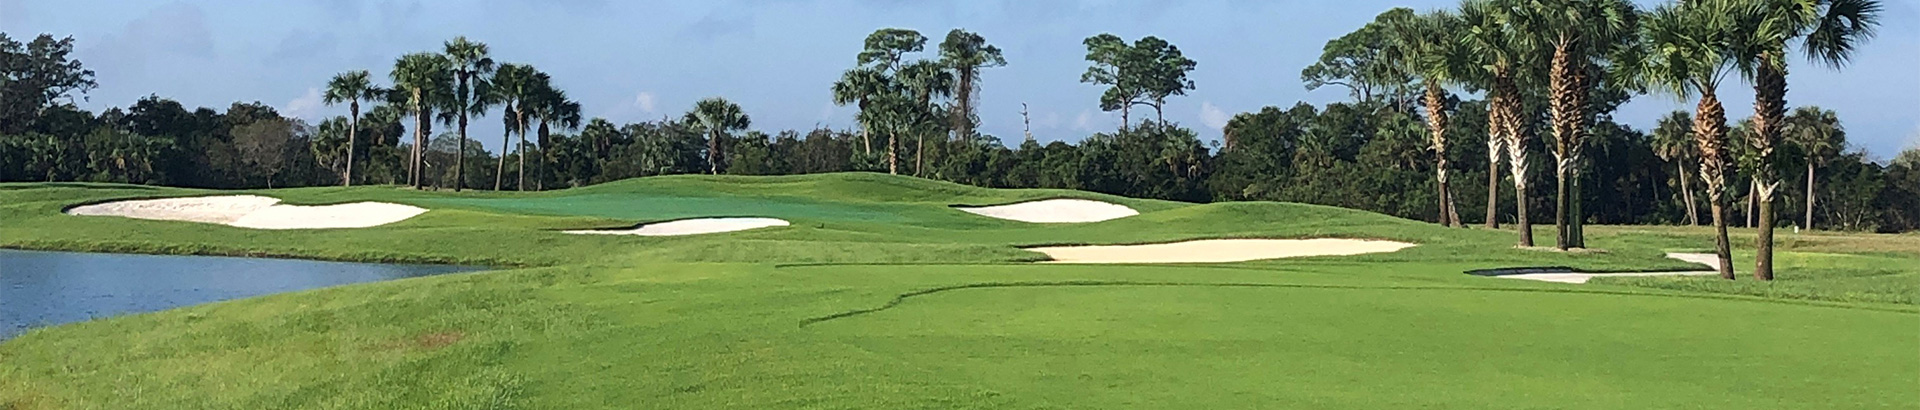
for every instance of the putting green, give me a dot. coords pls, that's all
(940, 309)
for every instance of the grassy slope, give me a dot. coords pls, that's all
(683, 323)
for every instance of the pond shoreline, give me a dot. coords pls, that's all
(41, 288)
(201, 249)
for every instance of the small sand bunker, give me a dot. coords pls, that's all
(690, 227)
(1055, 211)
(256, 212)
(1711, 260)
(1217, 250)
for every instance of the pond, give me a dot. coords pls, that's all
(49, 288)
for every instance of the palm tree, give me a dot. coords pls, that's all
(1673, 142)
(1496, 53)
(925, 80)
(418, 80)
(889, 113)
(1581, 34)
(860, 86)
(1421, 46)
(1819, 135)
(471, 69)
(552, 108)
(351, 87)
(966, 53)
(717, 118)
(1690, 52)
(1831, 30)
(515, 86)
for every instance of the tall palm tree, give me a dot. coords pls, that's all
(1581, 34)
(1496, 53)
(859, 86)
(1830, 31)
(515, 86)
(1422, 47)
(552, 108)
(1818, 134)
(471, 69)
(926, 80)
(717, 118)
(418, 80)
(1690, 49)
(1673, 142)
(966, 53)
(351, 87)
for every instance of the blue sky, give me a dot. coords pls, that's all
(640, 60)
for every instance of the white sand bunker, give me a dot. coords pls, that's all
(1217, 250)
(1711, 260)
(1055, 211)
(256, 212)
(690, 227)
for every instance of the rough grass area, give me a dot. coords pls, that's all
(923, 306)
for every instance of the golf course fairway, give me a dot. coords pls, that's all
(880, 294)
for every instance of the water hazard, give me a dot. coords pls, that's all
(49, 288)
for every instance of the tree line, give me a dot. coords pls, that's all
(1515, 80)
(1552, 72)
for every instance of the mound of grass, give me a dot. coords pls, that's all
(882, 296)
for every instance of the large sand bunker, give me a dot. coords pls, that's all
(256, 212)
(1055, 211)
(1217, 250)
(690, 227)
(1711, 260)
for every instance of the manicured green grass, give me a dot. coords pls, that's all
(923, 306)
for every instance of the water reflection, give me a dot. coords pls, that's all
(48, 288)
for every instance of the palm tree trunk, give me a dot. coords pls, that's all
(1753, 187)
(420, 121)
(1568, 107)
(506, 142)
(460, 157)
(1516, 153)
(540, 163)
(1763, 259)
(866, 131)
(1437, 126)
(353, 131)
(521, 177)
(1810, 196)
(1769, 114)
(919, 152)
(1578, 223)
(1686, 194)
(1562, 237)
(1494, 148)
(963, 115)
(1721, 248)
(1710, 131)
(893, 157)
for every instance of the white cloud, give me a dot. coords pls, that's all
(1083, 122)
(644, 101)
(308, 106)
(1213, 116)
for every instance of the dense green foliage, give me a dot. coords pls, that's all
(882, 296)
